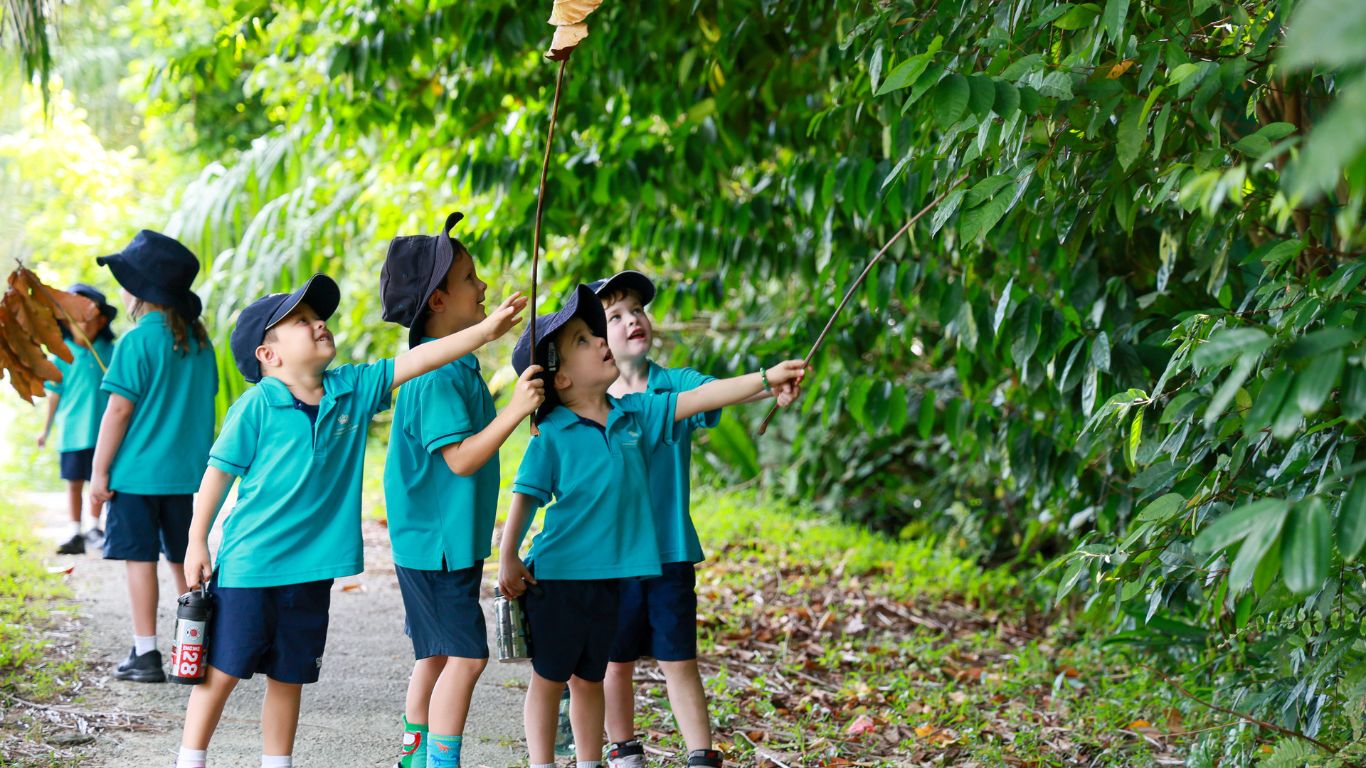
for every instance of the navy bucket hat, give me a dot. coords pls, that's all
(96, 295)
(414, 266)
(157, 269)
(582, 303)
(626, 280)
(320, 292)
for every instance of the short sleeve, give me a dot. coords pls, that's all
(687, 379)
(655, 416)
(63, 367)
(375, 385)
(444, 402)
(235, 448)
(130, 368)
(536, 475)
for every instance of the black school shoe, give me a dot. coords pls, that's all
(707, 758)
(141, 669)
(94, 537)
(73, 546)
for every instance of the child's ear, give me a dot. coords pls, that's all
(562, 380)
(436, 303)
(266, 356)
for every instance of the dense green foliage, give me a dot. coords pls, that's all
(1130, 343)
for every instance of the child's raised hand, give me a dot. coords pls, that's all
(513, 576)
(529, 392)
(502, 319)
(788, 371)
(787, 394)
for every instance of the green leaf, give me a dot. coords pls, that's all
(950, 100)
(1353, 395)
(858, 399)
(1007, 101)
(1352, 520)
(980, 220)
(981, 95)
(1078, 17)
(1100, 352)
(926, 423)
(1133, 129)
(875, 66)
(1306, 549)
(1337, 139)
(1230, 388)
(1261, 534)
(904, 74)
(1316, 381)
(1224, 346)
(1325, 32)
(898, 410)
(985, 189)
(1257, 144)
(1163, 508)
(1232, 526)
(1269, 400)
(1113, 18)
(1135, 438)
(1321, 341)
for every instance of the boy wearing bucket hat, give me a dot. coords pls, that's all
(590, 457)
(77, 403)
(441, 488)
(156, 430)
(297, 442)
(658, 616)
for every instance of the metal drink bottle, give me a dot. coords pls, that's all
(189, 645)
(511, 629)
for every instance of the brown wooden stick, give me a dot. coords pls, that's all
(540, 208)
(763, 427)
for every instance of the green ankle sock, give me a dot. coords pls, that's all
(414, 745)
(444, 752)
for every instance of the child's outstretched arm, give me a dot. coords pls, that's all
(53, 398)
(469, 455)
(434, 354)
(113, 428)
(212, 490)
(513, 575)
(723, 392)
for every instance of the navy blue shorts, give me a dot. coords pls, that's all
(572, 624)
(658, 617)
(139, 527)
(442, 613)
(278, 631)
(77, 465)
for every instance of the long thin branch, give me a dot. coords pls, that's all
(1249, 718)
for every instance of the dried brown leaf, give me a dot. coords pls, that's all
(566, 12)
(566, 39)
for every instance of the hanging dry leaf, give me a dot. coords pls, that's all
(566, 12)
(566, 39)
(37, 320)
(24, 349)
(20, 377)
(71, 308)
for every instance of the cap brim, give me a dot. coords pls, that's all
(626, 280)
(320, 292)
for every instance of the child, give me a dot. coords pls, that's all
(79, 402)
(297, 441)
(590, 458)
(658, 617)
(156, 430)
(441, 486)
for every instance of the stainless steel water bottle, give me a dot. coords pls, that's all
(189, 645)
(511, 629)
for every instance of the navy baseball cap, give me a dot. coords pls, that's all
(581, 303)
(320, 292)
(626, 280)
(413, 267)
(159, 269)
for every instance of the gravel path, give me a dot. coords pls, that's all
(351, 717)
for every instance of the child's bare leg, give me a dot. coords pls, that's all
(178, 573)
(585, 714)
(280, 717)
(142, 596)
(206, 707)
(619, 693)
(450, 700)
(75, 497)
(688, 700)
(540, 712)
(420, 685)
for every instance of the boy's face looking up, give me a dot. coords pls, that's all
(586, 363)
(300, 340)
(460, 304)
(629, 332)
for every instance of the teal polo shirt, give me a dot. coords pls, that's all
(167, 443)
(670, 466)
(435, 515)
(82, 401)
(297, 517)
(600, 526)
